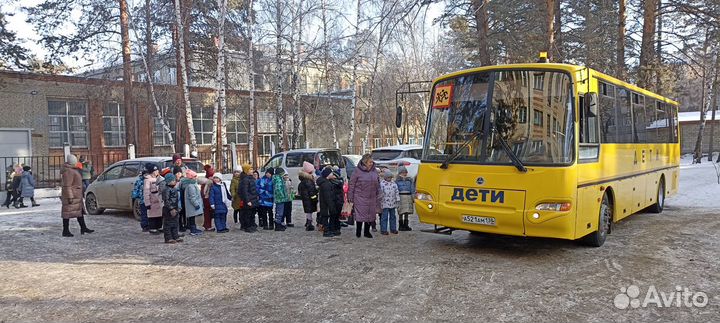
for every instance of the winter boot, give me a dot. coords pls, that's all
(66, 228)
(16, 204)
(402, 226)
(83, 228)
(367, 231)
(279, 227)
(32, 199)
(407, 223)
(358, 229)
(309, 226)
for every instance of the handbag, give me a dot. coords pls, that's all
(346, 210)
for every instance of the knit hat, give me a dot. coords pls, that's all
(150, 167)
(165, 171)
(237, 169)
(176, 157)
(190, 174)
(326, 172)
(387, 174)
(71, 159)
(402, 169)
(308, 168)
(217, 175)
(246, 168)
(170, 177)
(279, 171)
(26, 168)
(270, 171)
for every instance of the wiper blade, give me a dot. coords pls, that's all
(455, 154)
(514, 158)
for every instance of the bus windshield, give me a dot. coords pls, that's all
(532, 110)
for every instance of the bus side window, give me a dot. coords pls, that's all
(589, 138)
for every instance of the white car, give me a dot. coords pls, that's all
(392, 157)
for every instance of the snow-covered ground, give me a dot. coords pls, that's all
(698, 185)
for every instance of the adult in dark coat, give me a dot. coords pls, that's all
(71, 196)
(330, 203)
(364, 193)
(248, 193)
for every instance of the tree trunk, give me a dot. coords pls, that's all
(351, 149)
(480, 8)
(280, 112)
(647, 48)
(697, 154)
(658, 50)
(550, 28)
(130, 117)
(252, 114)
(219, 139)
(560, 54)
(714, 102)
(296, 63)
(147, 63)
(620, 50)
(326, 74)
(182, 69)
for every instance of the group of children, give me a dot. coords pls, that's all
(20, 184)
(171, 199)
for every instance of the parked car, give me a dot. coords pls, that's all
(351, 162)
(112, 188)
(392, 157)
(292, 160)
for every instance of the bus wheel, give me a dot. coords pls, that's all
(597, 238)
(659, 198)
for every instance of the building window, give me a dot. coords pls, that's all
(539, 82)
(114, 125)
(160, 137)
(237, 131)
(203, 124)
(377, 142)
(537, 118)
(67, 123)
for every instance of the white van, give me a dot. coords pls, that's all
(292, 161)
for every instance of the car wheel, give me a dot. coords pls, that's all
(597, 238)
(91, 205)
(136, 209)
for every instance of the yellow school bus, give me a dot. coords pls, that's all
(544, 150)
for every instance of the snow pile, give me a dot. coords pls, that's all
(698, 185)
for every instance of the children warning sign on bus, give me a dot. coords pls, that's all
(443, 97)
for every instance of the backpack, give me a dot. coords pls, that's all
(137, 192)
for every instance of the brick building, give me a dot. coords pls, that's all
(41, 113)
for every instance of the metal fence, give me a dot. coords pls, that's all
(47, 169)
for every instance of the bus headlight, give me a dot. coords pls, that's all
(423, 197)
(559, 207)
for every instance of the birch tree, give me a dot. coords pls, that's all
(220, 107)
(351, 149)
(252, 113)
(183, 71)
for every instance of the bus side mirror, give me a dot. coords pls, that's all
(398, 116)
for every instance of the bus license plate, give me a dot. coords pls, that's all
(484, 220)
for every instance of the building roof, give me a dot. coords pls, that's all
(695, 116)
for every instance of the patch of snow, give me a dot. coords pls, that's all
(699, 186)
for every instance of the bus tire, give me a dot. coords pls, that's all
(605, 216)
(659, 198)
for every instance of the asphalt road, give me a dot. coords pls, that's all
(122, 274)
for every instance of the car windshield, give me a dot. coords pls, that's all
(531, 110)
(326, 158)
(194, 165)
(380, 155)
